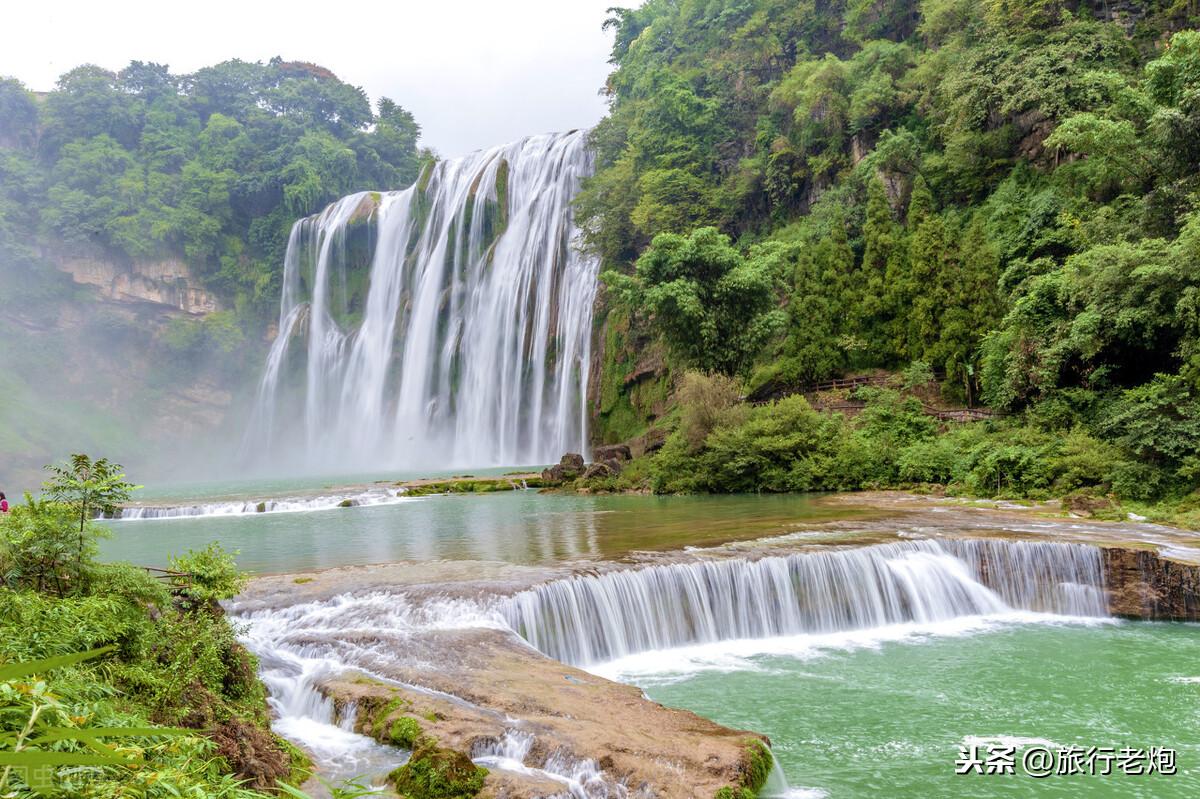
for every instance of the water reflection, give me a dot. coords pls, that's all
(515, 527)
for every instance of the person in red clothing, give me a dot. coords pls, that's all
(3, 503)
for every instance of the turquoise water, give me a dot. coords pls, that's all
(874, 713)
(522, 527)
(887, 719)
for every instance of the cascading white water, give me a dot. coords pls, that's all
(444, 325)
(591, 619)
(302, 714)
(247, 507)
(580, 778)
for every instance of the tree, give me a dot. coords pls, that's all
(18, 115)
(208, 575)
(40, 551)
(89, 488)
(882, 259)
(714, 307)
(971, 307)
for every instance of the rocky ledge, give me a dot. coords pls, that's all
(1143, 584)
(496, 694)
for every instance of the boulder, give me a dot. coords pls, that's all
(597, 470)
(438, 773)
(619, 452)
(614, 466)
(570, 467)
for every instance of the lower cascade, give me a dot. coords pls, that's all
(591, 619)
(587, 620)
(448, 324)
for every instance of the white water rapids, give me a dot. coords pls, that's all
(444, 325)
(826, 600)
(246, 507)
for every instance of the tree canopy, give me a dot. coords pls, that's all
(211, 167)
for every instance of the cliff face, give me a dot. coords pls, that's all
(92, 367)
(1142, 584)
(167, 282)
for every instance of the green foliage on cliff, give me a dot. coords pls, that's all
(715, 308)
(211, 168)
(1006, 192)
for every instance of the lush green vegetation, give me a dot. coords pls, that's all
(1006, 192)
(211, 168)
(167, 703)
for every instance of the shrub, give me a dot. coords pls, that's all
(935, 460)
(42, 550)
(703, 400)
(917, 373)
(1081, 461)
(212, 574)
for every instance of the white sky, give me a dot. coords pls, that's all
(474, 73)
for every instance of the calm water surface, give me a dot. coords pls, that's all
(517, 527)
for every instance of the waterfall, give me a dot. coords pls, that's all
(444, 325)
(590, 619)
(301, 713)
(372, 497)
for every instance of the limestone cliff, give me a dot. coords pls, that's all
(167, 281)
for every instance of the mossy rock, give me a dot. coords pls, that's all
(300, 765)
(469, 487)
(755, 769)
(757, 766)
(405, 732)
(436, 773)
(735, 793)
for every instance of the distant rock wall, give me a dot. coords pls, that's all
(1145, 585)
(168, 281)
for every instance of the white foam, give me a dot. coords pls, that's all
(1017, 741)
(369, 498)
(580, 777)
(673, 665)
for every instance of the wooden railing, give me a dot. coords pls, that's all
(177, 579)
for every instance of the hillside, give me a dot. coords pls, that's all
(1003, 192)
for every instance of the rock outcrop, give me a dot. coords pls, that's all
(168, 282)
(1142, 584)
(495, 686)
(617, 452)
(570, 467)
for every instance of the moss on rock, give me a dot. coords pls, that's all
(437, 773)
(754, 769)
(405, 732)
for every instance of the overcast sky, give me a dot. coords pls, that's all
(474, 73)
